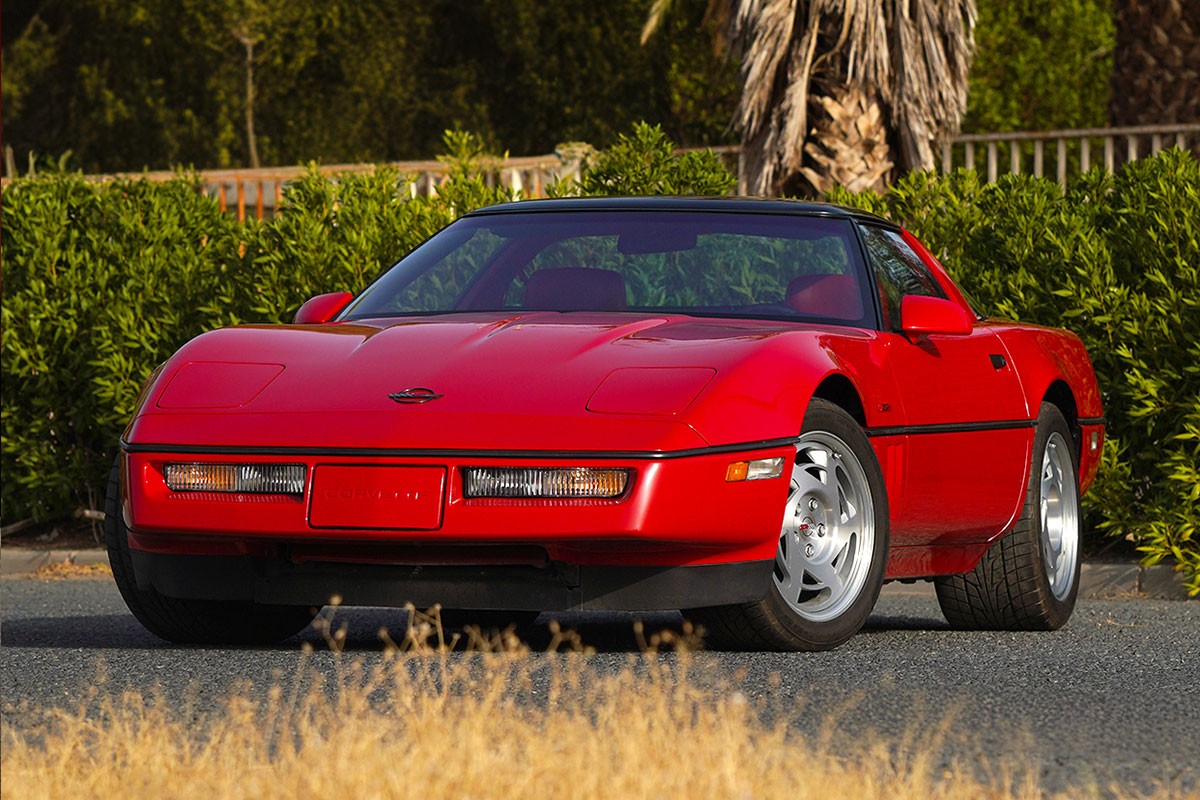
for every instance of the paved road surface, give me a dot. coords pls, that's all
(1115, 696)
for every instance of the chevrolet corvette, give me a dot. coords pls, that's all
(757, 412)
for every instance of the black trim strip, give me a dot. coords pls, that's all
(1092, 421)
(953, 427)
(608, 455)
(383, 452)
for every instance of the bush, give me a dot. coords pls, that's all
(1117, 260)
(102, 282)
(645, 163)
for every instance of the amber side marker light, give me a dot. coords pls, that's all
(237, 478)
(545, 482)
(757, 470)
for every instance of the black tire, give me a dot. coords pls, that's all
(191, 621)
(1020, 584)
(822, 618)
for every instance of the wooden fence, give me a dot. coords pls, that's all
(1074, 151)
(258, 192)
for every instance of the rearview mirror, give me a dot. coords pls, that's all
(322, 308)
(933, 315)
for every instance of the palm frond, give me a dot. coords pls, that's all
(907, 58)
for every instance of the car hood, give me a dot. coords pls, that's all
(541, 381)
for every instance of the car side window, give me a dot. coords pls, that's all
(899, 271)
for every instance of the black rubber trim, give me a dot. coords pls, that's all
(608, 455)
(555, 587)
(386, 452)
(953, 427)
(1092, 421)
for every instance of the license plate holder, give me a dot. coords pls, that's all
(377, 497)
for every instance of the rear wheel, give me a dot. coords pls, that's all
(1029, 579)
(191, 621)
(832, 549)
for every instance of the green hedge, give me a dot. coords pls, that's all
(103, 281)
(1117, 260)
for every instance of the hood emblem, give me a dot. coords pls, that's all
(417, 394)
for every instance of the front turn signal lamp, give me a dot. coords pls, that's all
(236, 478)
(545, 482)
(758, 470)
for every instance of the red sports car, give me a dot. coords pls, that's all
(754, 411)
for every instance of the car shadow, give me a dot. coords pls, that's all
(92, 632)
(601, 632)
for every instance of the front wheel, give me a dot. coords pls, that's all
(832, 550)
(1029, 579)
(191, 621)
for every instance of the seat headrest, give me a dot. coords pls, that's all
(834, 296)
(575, 289)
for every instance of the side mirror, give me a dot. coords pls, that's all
(933, 315)
(322, 308)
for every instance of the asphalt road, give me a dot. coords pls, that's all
(1113, 698)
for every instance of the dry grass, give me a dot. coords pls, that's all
(69, 569)
(497, 722)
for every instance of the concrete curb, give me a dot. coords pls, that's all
(1097, 580)
(21, 561)
(1100, 581)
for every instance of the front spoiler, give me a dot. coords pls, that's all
(556, 587)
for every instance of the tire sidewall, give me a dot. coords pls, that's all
(1050, 421)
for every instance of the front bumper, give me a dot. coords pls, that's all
(679, 510)
(551, 587)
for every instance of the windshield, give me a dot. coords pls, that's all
(698, 263)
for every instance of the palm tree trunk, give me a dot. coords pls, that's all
(848, 144)
(839, 91)
(1156, 63)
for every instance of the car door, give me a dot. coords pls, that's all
(962, 418)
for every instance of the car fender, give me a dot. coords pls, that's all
(766, 395)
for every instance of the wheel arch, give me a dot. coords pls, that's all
(841, 391)
(1059, 395)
